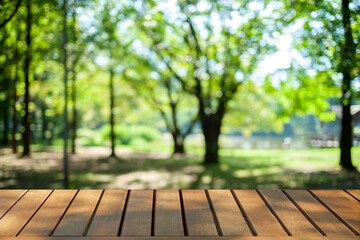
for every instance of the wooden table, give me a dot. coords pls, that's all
(179, 214)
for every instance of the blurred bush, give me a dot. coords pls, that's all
(89, 137)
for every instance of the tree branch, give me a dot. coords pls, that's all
(196, 41)
(191, 126)
(12, 14)
(151, 99)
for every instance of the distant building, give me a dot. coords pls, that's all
(301, 132)
(329, 133)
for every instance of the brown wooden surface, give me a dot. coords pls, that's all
(324, 219)
(291, 217)
(78, 215)
(355, 193)
(8, 198)
(173, 214)
(198, 215)
(12, 222)
(228, 213)
(168, 219)
(49, 214)
(343, 205)
(137, 221)
(107, 218)
(260, 216)
(191, 238)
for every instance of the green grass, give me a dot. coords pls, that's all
(320, 159)
(316, 168)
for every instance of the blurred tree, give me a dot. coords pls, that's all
(77, 47)
(26, 119)
(147, 79)
(66, 124)
(347, 67)
(211, 48)
(44, 64)
(111, 51)
(7, 63)
(15, 97)
(329, 43)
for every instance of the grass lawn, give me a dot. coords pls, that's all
(91, 168)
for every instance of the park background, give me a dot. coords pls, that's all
(179, 94)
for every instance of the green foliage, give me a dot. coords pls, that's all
(89, 137)
(302, 94)
(252, 109)
(218, 56)
(175, 52)
(320, 40)
(135, 134)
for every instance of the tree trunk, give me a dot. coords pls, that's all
(26, 118)
(112, 122)
(52, 130)
(346, 139)
(44, 123)
(5, 140)
(14, 112)
(66, 122)
(346, 68)
(178, 139)
(5, 111)
(74, 120)
(211, 129)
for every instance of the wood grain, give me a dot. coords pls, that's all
(44, 221)
(260, 216)
(8, 198)
(355, 193)
(198, 214)
(327, 222)
(19, 215)
(138, 214)
(107, 218)
(343, 205)
(292, 218)
(168, 219)
(79, 213)
(228, 213)
(189, 238)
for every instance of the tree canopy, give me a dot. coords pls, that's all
(177, 66)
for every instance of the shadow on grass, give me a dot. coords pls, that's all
(150, 171)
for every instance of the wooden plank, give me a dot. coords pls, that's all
(168, 219)
(355, 193)
(228, 213)
(19, 215)
(327, 222)
(79, 213)
(107, 218)
(138, 214)
(198, 215)
(44, 221)
(190, 238)
(259, 214)
(8, 198)
(291, 217)
(343, 205)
